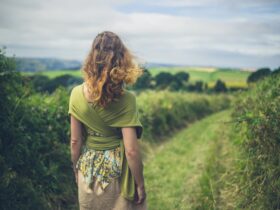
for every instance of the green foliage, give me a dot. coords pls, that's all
(38, 81)
(163, 79)
(42, 83)
(276, 71)
(198, 86)
(182, 76)
(179, 81)
(144, 82)
(162, 111)
(258, 75)
(35, 172)
(64, 81)
(220, 86)
(258, 121)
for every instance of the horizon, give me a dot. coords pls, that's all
(161, 65)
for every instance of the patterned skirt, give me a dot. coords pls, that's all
(95, 198)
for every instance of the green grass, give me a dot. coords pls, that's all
(183, 172)
(233, 78)
(56, 73)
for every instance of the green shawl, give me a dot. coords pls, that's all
(108, 121)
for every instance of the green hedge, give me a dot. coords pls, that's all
(163, 112)
(257, 117)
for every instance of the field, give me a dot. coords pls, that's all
(233, 78)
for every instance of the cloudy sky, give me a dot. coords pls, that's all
(226, 33)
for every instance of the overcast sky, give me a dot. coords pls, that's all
(226, 33)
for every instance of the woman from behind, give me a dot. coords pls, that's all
(105, 129)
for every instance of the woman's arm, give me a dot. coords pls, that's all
(133, 156)
(76, 140)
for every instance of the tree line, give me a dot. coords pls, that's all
(162, 81)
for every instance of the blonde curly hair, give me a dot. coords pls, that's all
(108, 67)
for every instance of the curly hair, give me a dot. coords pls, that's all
(108, 67)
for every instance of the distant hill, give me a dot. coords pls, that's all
(51, 64)
(45, 64)
(155, 65)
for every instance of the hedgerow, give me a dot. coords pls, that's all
(257, 117)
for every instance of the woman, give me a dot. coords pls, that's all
(105, 127)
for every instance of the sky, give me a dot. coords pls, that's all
(222, 33)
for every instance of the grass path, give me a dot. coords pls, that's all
(179, 174)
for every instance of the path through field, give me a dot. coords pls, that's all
(183, 173)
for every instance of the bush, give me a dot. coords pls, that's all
(35, 166)
(257, 114)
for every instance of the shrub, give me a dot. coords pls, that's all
(258, 121)
(35, 168)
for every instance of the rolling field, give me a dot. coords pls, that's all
(233, 78)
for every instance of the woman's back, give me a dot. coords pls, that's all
(105, 126)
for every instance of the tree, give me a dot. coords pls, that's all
(276, 71)
(144, 82)
(175, 85)
(258, 75)
(163, 79)
(65, 80)
(182, 76)
(38, 81)
(197, 86)
(180, 80)
(220, 86)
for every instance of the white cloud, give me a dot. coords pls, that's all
(66, 29)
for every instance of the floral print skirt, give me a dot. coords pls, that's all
(104, 165)
(99, 178)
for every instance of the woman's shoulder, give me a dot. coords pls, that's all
(128, 96)
(76, 88)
